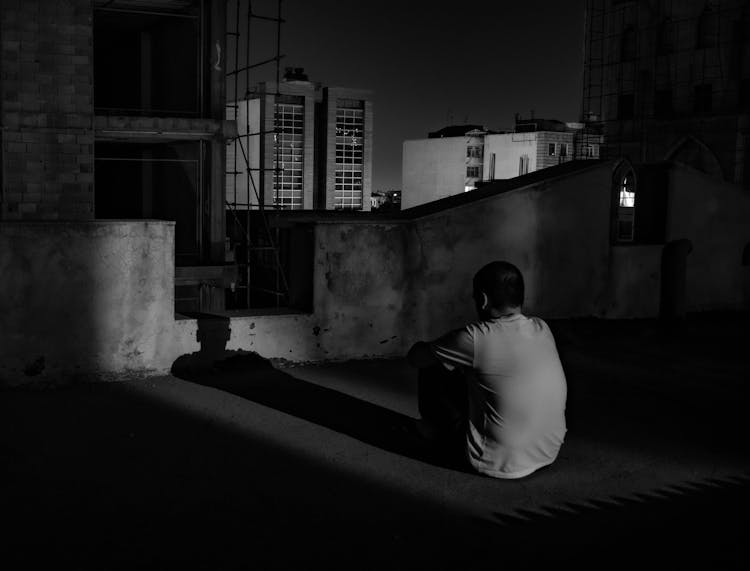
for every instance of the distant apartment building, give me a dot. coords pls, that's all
(460, 158)
(301, 146)
(670, 80)
(386, 200)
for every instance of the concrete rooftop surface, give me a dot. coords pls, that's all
(254, 465)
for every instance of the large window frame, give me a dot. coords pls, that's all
(288, 158)
(349, 177)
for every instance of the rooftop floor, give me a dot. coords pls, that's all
(250, 465)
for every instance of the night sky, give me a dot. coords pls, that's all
(478, 62)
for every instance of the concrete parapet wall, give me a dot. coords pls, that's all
(82, 299)
(85, 299)
(361, 304)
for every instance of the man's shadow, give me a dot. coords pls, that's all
(254, 378)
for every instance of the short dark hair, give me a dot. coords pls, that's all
(502, 282)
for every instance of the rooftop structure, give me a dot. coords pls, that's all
(460, 158)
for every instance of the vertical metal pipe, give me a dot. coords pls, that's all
(248, 174)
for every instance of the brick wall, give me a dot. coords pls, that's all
(46, 109)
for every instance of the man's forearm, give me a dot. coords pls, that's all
(421, 356)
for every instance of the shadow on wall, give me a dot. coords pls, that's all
(673, 301)
(40, 265)
(252, 377)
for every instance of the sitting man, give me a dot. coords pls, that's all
(496, 383)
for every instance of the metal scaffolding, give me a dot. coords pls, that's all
(252, 241)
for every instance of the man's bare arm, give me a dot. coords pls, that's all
(421, 356)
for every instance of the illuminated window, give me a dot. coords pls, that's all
(626, 208)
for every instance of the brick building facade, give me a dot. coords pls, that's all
(47, 110)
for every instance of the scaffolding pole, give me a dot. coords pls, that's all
(256, 245)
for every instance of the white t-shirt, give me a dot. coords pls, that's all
(517, 393)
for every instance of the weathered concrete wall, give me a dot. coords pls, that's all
(79, 299)
(508, 148)
(564, 264)
(714, 216)
(379, 287)
(360, 302)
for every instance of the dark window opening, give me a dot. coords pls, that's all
(146, 62)
(708, 28)
(473, 172)
(745, 94)
(626, 106)
(702, 98)
(628, 44)
(158, 181)
(663, 104)
(665, 37)
(275, 269)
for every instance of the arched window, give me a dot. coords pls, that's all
(626, 207)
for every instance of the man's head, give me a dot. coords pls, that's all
(498, 288)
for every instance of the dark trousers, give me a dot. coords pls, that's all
(443, 399)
